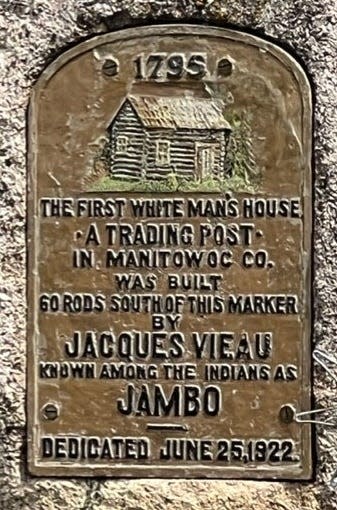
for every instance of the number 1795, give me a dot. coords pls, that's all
(173, 66)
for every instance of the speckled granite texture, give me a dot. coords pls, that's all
(34, 32)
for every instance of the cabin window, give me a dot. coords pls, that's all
(121, 144)
(163, 152)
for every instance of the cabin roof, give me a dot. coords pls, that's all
(179, 112)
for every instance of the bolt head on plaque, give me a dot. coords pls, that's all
(50, 412)
(287, 413)
(170, 235)
(110, 67)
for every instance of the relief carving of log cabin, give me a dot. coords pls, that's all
(151, 137)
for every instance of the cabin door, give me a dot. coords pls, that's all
(205, 159)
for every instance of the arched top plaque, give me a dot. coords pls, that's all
(169, 258)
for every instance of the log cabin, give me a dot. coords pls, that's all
(151, 137)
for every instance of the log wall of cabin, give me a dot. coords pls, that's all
(131, 164)
(182, 151)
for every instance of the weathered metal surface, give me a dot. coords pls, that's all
(169, 260)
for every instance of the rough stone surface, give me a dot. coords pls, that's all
(34, 32)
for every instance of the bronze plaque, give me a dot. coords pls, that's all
(169, 258)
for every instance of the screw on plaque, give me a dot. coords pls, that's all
(287, 414)
(50, 412)
(110, 67)
(225, 67)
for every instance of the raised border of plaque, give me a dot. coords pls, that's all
(36, 414)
